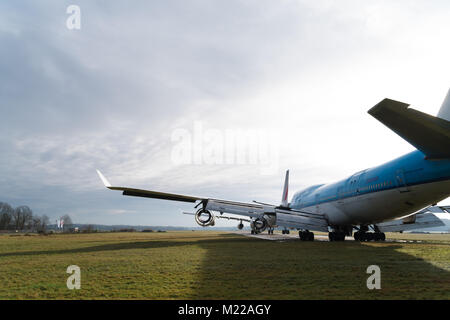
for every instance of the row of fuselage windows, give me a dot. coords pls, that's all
(377, 186)
(368, 188)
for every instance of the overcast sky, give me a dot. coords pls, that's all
(140, 79)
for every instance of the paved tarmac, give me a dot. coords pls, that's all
(293, 236)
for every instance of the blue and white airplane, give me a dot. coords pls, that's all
(366, 204)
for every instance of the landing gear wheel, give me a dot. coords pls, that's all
(362, 236)
(306, 236)
(337, 236)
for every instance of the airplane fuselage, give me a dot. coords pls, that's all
(394, 189)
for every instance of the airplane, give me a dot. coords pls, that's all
(395, 196)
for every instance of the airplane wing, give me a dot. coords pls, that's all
(148, 193)
(234, 207)
(306, 220)
(268, 215)
(221, 217)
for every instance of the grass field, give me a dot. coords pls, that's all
(213, 265)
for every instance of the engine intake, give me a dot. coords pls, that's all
(204, 218)
(259, 225)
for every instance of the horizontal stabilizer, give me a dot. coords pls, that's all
(430, 135)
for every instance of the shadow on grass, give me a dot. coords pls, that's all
(118, 246)
(238, 267)
(263, 269)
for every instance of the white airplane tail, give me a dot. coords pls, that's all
(284, 197)
(444, 112)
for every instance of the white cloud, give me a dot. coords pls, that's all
(110, 95)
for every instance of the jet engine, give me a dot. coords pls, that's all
(240, 226)
(259, 224)
(204, 218)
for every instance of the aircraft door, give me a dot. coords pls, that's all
(317, 203)
(340, 194)
(401, 181)
(360, 183)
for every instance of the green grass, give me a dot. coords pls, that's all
(213, 265)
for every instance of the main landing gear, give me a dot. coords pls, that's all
(363, 234)
(369, 236)
(269, 231)
(306, 235)
(338, 233)
(285, 231)
(336, 236)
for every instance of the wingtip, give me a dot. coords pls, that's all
(104, 180)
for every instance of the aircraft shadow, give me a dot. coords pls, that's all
(99, 248)
(237, 267)
(249, 268)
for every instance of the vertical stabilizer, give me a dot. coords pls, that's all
(284, 198)
(444, 112)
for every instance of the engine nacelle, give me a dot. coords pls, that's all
(258, 225)
(240, 226)
(262, 223)
(204, 218)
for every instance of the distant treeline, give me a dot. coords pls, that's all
(22, 218)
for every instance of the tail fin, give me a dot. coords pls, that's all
(284, 197)
(444, 112)
(430, 135)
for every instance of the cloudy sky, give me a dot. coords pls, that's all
(144, 83)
